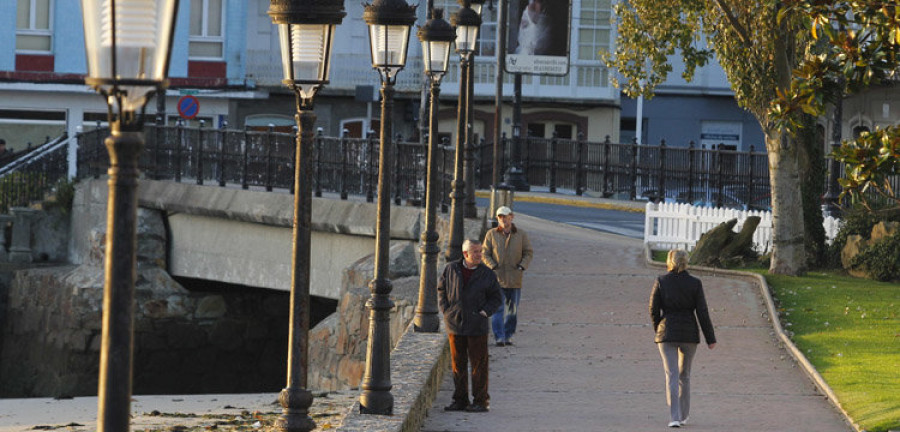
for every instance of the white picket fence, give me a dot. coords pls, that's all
(675, 225)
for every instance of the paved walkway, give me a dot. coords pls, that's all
(584, 358)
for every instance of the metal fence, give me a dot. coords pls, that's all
(263, 159)
(708, 176)
(349, 166)
(31, 177)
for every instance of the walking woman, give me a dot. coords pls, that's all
(677, 303)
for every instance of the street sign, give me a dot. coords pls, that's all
(188, 107)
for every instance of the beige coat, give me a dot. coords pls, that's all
(509, 256)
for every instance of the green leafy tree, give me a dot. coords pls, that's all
(758, 43)
(860, 43)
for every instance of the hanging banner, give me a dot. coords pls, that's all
(538, 37)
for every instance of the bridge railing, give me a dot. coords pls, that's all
(30, 177)
(263, 159)
(349, 166)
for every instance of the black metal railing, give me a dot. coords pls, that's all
(713, 176)
(32, 176)
(349, 166)
(262, 159)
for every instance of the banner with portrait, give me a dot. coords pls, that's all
(538, 37)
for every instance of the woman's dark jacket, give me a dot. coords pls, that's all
(675, 300)
(461, 304)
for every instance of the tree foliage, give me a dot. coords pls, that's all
(758, 44)
(859, 47)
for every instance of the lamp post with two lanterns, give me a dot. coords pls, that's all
(306, 32)
(127, 45)
(436, 35)
(389, 24)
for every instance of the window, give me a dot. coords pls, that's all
(594, 29)
(33, 19)
(207, 37)
(487, 35)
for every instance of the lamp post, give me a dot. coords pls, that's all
(467, 23)
(436, 35)
(127, 45)
(389, 24)
(470, 210)
(306, 31)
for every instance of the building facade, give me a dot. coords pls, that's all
(226, 54)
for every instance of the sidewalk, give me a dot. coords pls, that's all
(585, 360)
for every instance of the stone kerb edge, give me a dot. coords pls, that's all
(795, 352)
(418, 363)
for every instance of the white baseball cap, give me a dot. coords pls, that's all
(503, 211)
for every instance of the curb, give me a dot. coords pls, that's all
(795, 352)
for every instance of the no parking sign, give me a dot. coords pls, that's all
(188, 107)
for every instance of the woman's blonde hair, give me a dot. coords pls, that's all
(677, 260)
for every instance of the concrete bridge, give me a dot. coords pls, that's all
(244, 237)
(236, 243)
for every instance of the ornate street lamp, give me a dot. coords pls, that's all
(127, 44)
(436, 35)
(306, 31)
(467, 23)
(470, 210)
(389, 24)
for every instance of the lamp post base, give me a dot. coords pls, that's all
(295, 416)
(515, 177)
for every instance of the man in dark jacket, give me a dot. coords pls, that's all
(468, 294)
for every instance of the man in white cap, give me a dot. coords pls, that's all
(508, 252)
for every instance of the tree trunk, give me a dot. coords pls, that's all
(788, 254)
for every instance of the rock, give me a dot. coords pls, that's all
(722, 247)
(742, 244)
(855, 244)
(711, 243)
(883, 229)
(210, 307)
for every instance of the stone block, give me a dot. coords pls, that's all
(854, 245)
(883, 229)
(210, 307)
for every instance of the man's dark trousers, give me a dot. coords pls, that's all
(462, 350)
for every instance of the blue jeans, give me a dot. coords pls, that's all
(504, 320)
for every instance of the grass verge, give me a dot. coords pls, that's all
(849, 329)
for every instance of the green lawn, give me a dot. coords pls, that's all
(849, 329)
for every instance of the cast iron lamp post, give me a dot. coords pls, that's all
(389, 24)
(306, 30)
(436, 35)
(470, 210)
(467, 23)
(127, 45)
